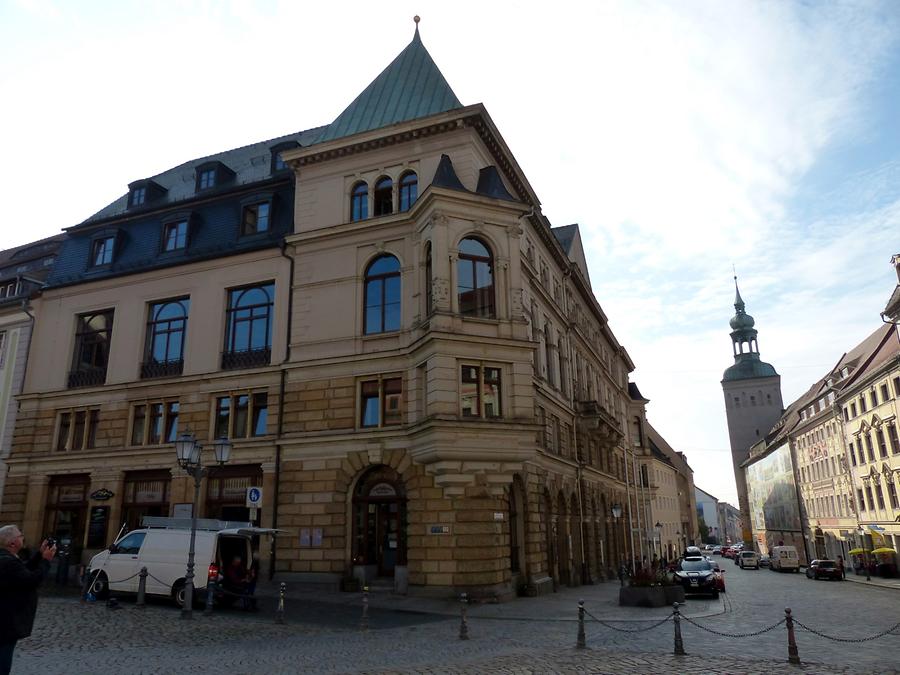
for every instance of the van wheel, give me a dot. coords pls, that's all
(100, 587)
(178, 594)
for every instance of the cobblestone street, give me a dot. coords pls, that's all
(526, 636)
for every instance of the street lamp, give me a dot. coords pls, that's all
(617, 514)
(188, 452)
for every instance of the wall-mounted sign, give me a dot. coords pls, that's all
(383, 490)
(498, 515)
(254, 497)
(182, 510)
(439, 529)
(310, 537)
(102, 494)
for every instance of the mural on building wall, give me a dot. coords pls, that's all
(773, 493)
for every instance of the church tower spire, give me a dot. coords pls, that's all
(753, 401)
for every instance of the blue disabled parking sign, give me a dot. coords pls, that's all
(254, 497)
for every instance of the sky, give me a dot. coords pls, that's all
(683, 137)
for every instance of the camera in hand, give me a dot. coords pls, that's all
(51, 542)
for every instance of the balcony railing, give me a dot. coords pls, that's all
(250, 358)
(151, 369)
(87, 377)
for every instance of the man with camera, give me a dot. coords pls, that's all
(19, 582)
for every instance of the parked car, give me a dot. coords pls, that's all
(717, 550)
(784, 559)
(728, 552)
(764, 560)
(162, 547)
(824, 569)
(720, 576)
(696, 575)
(748, 559)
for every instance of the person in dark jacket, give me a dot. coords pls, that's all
(19, 582)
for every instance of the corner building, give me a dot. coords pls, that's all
(444, 403)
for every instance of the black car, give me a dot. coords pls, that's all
(824, 569)
(696, 575)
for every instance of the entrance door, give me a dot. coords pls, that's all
(379, 522)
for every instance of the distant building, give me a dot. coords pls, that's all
(708, 516)
(730, 523)
(22, 272)
(753, 401)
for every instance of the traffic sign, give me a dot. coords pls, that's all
(254, 497)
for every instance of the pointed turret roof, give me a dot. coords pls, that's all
(411, 87)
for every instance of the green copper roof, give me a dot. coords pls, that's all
(748, 367)
(411, 87)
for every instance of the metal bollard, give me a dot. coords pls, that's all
(793, 654)
(279, 613)
(210, 597)
(679, 643)
(463, 623)
(581, 642)
(364, 621)
(142, 588)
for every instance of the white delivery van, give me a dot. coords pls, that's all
(161, 546)
(784, 559)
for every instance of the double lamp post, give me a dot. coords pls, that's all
(189, 451)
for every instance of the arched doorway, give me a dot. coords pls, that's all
(379, 521)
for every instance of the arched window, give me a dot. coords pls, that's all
(475, 285)
(164, 350)
(359, 201)
(384, 197)
(382, 295)
(409, 190)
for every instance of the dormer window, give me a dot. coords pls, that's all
(138, 196)
(206, 179)
(255, 219)
(102, 251)
(277, 162)
(175, 235)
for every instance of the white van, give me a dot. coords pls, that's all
(784, 559)
(162, 547)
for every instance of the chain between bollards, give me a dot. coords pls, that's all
(364, 621)
(279, 613)
(679, 643)
(463, 623)
(793, 654)
(580, 643)
(142, 588)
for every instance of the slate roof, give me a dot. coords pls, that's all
(635, 393)
(28, 260)
(565, 235)
(410, 87)
(250, 163)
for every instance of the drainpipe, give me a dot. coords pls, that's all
(27, 346)
(280, 428)
(579, 462)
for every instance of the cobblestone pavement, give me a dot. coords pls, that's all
(527, 637)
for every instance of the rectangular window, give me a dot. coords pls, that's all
(138, 196)
(241, 415)
(154, 423)
(885, 395)
(852, 410)
(869, 500)
(175, 236)
(102, 251)
(870, 448)
(77, 429)
(880, 494)
(892, 493)
(895, 442)
(92, 337)
(480, 392)
(897, 387)
(381, 402)
(882, 443)
(862, 502)
(2, 347)
(255, 219)
(207, 179)
(862, 404)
